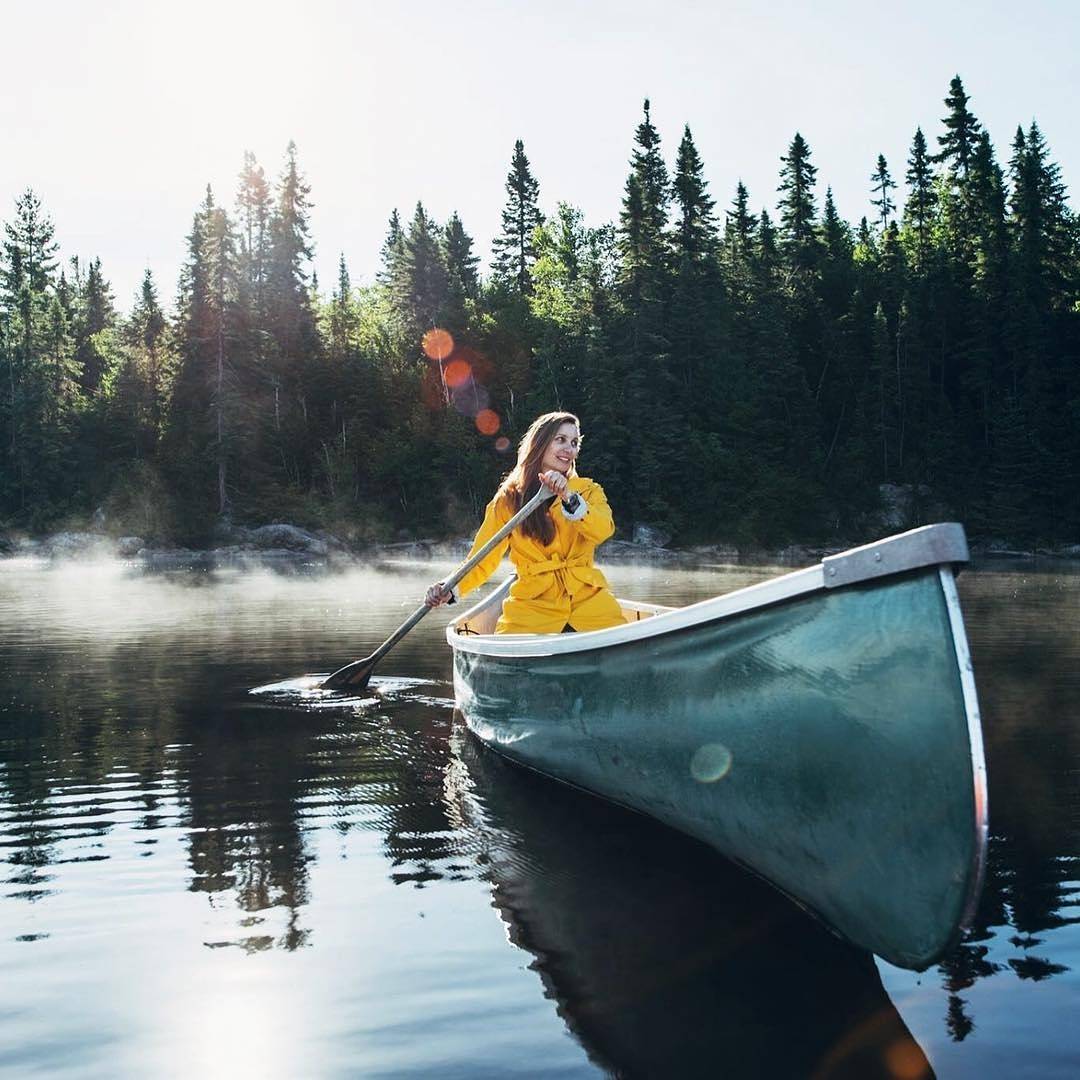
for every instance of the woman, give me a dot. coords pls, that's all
(557, 586)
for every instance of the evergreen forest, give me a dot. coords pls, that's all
(741, 377)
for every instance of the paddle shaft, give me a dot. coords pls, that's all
(360, 670)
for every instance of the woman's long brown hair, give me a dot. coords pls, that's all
(523, 481)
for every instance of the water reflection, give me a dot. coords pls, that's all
(1025, 635)
(664, 959)
(134, 764)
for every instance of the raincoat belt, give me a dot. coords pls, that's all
(571, 573)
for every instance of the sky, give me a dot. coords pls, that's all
(118, 114)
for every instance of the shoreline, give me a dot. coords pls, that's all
(281, 544)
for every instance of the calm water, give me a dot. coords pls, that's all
(201, 881)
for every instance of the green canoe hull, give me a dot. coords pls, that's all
(825, 741)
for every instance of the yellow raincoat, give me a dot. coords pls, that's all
(557, 583)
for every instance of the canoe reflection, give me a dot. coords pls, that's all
(664, 959)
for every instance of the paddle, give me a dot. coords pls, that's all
(356, 674)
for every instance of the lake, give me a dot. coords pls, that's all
(198, 880)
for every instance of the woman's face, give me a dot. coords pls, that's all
(562, 451)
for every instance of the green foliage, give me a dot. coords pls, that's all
(755, 386)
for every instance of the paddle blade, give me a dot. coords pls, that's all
(352, 676)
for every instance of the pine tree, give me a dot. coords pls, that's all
(463, 284)
(291, 318)
(768, 248)
(643, 347)
(96, 313)
(29, 265)
(961, 133)
(39, 404)
(695, 233)
(740, 226)
(922, 199)
(342, 322)
(837, 262)
(798, 210)
(959, 146)
(513, 248)
(421, 284)
(460, 261)
(290, 321)
(694, 316)
(129, 408)
(1040, 222)
(801, 248)
(1043, 314)
(198, 421)
(882, 185)
(254, 205)
(644, 215)
(147, 328)
(392, 251)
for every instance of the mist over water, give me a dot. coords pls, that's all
(277, 884)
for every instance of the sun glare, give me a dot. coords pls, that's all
(437, 344)
(487, 422)
(456, 373)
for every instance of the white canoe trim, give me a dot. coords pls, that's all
(975, 742)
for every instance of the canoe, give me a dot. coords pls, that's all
(820, 728)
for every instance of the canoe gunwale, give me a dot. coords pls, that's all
(929, 545)
(942, 545)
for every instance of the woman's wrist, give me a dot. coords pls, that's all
(574, 507)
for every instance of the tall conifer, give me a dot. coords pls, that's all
(513, 248)
(922, 198)
(96, 313)
(392, 251)
(254, 205)
(882, 184)
(798, 209)
(961, 132)
(421, 284)
(644, 215)
(695, 231)
(740, 225)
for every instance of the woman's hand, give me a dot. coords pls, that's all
(555, 481)
(438, 595)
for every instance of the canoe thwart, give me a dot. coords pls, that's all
(931, 545)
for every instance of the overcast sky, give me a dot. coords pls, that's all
(119, 113)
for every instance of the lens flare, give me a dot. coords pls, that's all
(906, 1061)
(502, 444)
(710, 763)
(456, 373)
(487, 422)
(437, 344)
(470, 398)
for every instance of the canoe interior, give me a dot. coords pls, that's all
(482, 619)
(823, 742)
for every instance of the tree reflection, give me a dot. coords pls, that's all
(1023, 654)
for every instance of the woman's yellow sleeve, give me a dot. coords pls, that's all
(495, 517)
(596, 524)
